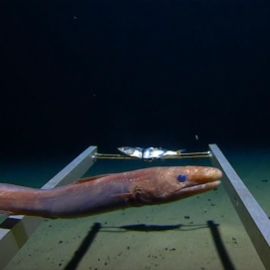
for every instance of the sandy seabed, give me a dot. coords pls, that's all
(203, 232)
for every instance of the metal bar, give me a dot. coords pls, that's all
(181, 156)
(74, 170)
(16, 230)
(251, 214)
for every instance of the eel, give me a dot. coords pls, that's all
(106, 193)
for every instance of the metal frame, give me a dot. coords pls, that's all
(16, 230)
(251, 214)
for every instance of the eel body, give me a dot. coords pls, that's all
(106, 193)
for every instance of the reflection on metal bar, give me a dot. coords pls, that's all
(16, 230)
(251, 214)
(182, 156)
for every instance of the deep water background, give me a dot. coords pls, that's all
(139, 73)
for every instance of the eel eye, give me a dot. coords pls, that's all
(182, 178)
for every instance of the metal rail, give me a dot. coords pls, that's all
(16, 230)
(206, 154)
(251, 214)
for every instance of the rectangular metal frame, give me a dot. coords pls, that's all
(251, 214)
(16, 230)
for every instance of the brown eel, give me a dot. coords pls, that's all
(106, 193)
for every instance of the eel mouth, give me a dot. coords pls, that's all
(194, 190)
(197, 189)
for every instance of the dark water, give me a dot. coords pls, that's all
(144, 73)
